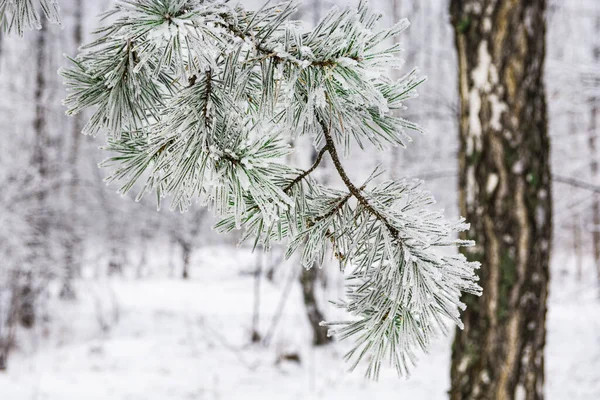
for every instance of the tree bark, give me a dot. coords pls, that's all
(505, 192)
(308, 279)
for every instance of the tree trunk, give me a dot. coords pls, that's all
(308, 279)
(505, 192)
(576, 219)
(186, 250)
(116, 258)
(37, 244)
(172, 245)
(4, 350)
(593, 146)
(255, 335)
(74, 242)
(7, 325)
(577, 247)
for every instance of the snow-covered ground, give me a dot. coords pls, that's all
(164, 338)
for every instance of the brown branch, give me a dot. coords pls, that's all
(308, 171)
(207, 95)
(192, 80)
(356, 192)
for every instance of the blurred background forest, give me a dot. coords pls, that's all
(127, 302)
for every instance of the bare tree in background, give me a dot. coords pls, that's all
(37, 245)
(114, 235)
(308, 280)
(594, 154)
(505, 192)
(186, 232)
(74, 241)
(8, 313)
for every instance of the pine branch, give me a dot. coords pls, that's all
(19, 15)
(356, 192)
(271, 53)
(199, 100)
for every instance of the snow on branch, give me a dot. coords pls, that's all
(20, 15)
(199, 100)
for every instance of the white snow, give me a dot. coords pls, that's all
(171, 339)
(492, 183)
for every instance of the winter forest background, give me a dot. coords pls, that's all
(138, 304)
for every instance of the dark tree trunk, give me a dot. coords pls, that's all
(505, 192)
(7, 327)
(116, 259)
(37, 244)
(186, 250)
(4, 350)
(308, 279)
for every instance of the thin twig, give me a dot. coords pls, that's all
(576, 183)
(308, 171)
(218, 336)
(433, 175)
(280, 306)
(566, 180)
(207, 96)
